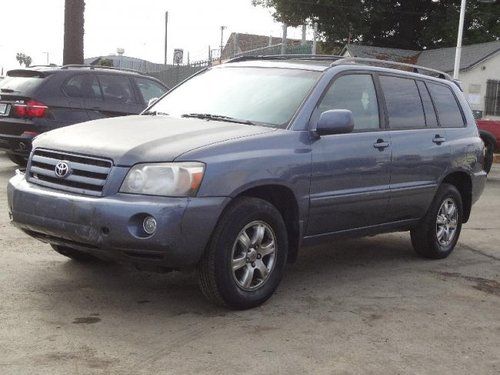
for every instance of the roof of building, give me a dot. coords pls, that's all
(127, 62)
(241, 42)
(441, 58)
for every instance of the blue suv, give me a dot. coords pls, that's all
(236, 169)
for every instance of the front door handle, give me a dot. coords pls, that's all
(438, 139)
(381, 144)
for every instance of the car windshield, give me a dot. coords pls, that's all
(268, 96)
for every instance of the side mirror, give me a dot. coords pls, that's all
(152, 101)
(337, 121)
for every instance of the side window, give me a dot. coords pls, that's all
(403, 102)
(77, 86)
(447, 107)
(356, 93)
(116, 88)
(95, 88)
(430, 113)
(149, 89)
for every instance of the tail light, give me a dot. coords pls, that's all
(30, 109)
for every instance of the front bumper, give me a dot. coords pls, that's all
(108, 227)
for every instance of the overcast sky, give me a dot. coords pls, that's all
(36, 26)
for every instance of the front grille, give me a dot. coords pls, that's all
(87, 175)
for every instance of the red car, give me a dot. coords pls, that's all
(489, 131)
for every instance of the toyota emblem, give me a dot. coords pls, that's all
(62, 169)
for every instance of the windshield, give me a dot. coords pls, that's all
(268, 96)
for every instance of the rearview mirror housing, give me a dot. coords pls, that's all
(337, 121)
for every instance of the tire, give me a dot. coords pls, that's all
(488, 155)
(18, 159)
(229, 247)
(74, 254)
(426, 238)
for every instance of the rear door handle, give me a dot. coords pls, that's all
(438, 139)
(381, 144)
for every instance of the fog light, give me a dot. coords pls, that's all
(149, 225)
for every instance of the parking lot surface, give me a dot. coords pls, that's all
(359, 306)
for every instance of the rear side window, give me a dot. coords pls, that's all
(116, 88)
(430, 113)
(149, 89)
(447, 107)
(82, 86)
(356, 93)
(404, 105)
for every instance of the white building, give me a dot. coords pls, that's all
(479, 69)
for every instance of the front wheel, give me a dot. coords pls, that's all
(437, 234)
(489, 149)
(245, 259)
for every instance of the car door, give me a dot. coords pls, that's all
(117, 97)
(350, 172)
(420, 153)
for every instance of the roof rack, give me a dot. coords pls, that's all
(341, 60)
(386, 63)
(92, 67)
(286, 57)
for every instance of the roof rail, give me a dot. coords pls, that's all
(286, 57)
(387, 63)
(92, 67)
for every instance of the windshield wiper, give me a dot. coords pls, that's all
(209, 116)
(155, 113)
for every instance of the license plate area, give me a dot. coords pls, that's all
(4, 109)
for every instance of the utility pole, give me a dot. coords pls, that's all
(458, 54)
(304, 37)
(222, 28)
(283, 39)
(315, 37)
(166, 34)
(47, 54)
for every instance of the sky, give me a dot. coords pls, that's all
(135, 25)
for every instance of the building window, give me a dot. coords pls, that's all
(492, 98)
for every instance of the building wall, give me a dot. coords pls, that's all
(474, 82)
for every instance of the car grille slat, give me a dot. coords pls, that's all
(88, 175)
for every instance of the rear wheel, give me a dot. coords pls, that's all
(74, 254)
(246, 257)
(438, 232)
(18, 159)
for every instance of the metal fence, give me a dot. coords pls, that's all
(175, 74)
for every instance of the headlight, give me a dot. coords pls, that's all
(166, 179)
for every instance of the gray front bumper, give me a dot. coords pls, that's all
(107, 226)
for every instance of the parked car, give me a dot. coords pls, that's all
(489, 130)
(39, 99)
(236, 169)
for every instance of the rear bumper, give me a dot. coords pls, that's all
(16, 144)
(478, 185)
(109, 227)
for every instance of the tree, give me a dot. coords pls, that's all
(73, 31)
(407, 24)
(23, 59)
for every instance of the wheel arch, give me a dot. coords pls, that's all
(463, 182)
(284, 199)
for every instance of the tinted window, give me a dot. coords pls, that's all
(149, 89)
(356, 93)
(20, 85)
(446, 105)
(430, 113)
(82, 86)
(403, 102)
(116, 88)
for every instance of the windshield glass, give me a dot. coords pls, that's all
(262, 95)
(21, 85)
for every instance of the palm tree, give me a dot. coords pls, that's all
(73, 31)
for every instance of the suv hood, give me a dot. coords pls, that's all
(133, 139)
